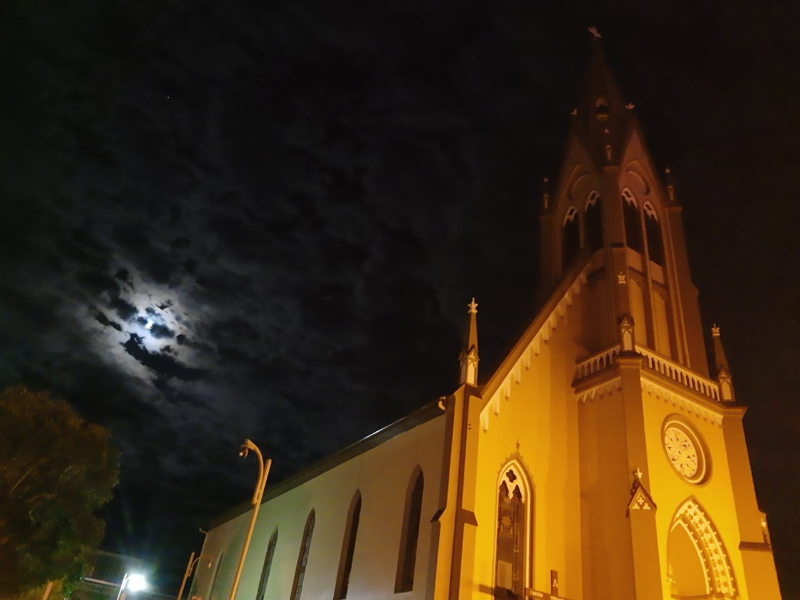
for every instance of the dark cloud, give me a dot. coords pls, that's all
(124, 310)
(104, 320)
(162, 364)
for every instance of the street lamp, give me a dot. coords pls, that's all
(263, 473)
(133, 582)
(189, 566)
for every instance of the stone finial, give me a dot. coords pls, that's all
(724, 377)
(626, 336)
(640, 497)
(469, 351)
(595, 34)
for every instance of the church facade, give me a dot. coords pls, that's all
(603, 459)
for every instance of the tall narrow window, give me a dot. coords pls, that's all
(262, 583)
(571, 237)
(302, 559)
(512, 529)
(410, 537)
(655, 246)
(633, 226)
(216, 576)
(348, 548)
(593, 221)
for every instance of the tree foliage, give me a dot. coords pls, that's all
(55, 471)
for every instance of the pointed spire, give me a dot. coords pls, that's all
(603, 118)
(724, 376)
(469, 352)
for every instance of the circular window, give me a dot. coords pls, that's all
(685, 450)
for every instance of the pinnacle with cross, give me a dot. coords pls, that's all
(595, 34)
(638, 473)
(473, 307)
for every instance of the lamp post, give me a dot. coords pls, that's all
(263, 473)
(133, 582)
(189, 566)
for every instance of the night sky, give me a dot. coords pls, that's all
(265, 219)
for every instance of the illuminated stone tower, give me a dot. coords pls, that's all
(611, 199)
(654, 431)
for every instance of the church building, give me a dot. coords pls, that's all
(603, 459)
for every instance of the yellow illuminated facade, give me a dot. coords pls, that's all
(603, 459)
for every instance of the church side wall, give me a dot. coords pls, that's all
(382, 475)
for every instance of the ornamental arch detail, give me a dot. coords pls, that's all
(698, 562)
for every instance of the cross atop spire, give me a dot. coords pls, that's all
(595, 34)
(473, 307)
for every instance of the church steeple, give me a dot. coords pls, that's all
(611, 212)
(469, 352)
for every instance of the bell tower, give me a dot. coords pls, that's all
(612, 208)
(668, 506)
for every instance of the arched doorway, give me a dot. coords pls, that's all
(697, 560)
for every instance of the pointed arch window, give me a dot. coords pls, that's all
(410, 536)
(633, 224)
(593, 221)
(302, 558)
(348, 547)
(571, 237)
(655, 244)
(262, 583)
(513, 539)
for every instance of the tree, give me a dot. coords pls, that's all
(55, 471)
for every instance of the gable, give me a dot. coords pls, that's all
(539, 332)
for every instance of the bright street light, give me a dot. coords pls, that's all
(263, 473)
(134, 582)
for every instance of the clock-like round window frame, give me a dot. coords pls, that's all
(703, 464)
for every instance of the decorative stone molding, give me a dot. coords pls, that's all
(522, 363)
(681, 402)
(640, 497)
(654, 362)
(596, 362)
(676, 372)
(600, 390)
(719, 573)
